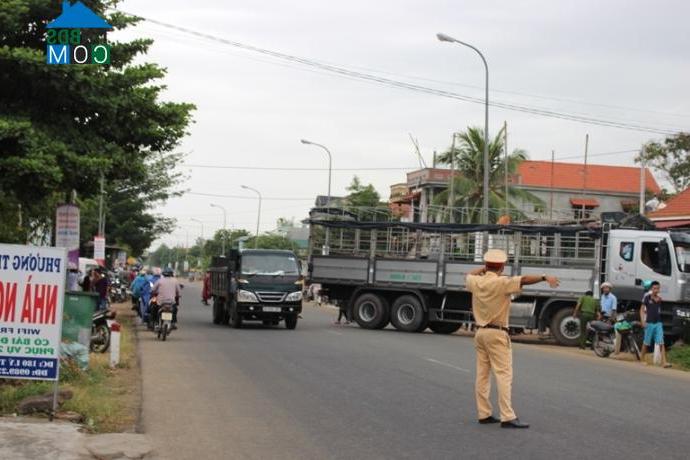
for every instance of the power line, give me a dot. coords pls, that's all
(240, 197)
(342, 71)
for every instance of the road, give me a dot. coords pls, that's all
(324, 391)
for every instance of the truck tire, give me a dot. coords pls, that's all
(217, 311)
(565, 328)
(235, 319)
(408, 315)
(371, 311)
(444, 328)
(291, 322)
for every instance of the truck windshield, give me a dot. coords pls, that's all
(683, 256)
(269, 264)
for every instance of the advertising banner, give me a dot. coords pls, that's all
(32, 291)
(99, 248)
(67, 231)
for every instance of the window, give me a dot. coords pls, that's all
(656, 256)
(627, 250)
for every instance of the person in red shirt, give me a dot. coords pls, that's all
(206, 291)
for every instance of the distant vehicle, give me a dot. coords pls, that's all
(412, 275)
(256, 285)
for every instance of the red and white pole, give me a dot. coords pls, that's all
(114, 344)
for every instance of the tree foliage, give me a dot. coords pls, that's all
(672, 158)
(63, 126)
(365, 201)
(468, 157)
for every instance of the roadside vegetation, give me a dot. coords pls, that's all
(107, 399)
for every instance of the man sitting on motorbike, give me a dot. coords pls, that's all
(167, 289)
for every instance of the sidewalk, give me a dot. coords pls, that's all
(24, 438)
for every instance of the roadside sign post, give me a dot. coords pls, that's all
(32, 292)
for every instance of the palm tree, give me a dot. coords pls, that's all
(468, 187)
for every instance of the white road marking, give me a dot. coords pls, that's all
(461, 369)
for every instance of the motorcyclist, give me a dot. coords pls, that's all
(137, 288)
(167, 289)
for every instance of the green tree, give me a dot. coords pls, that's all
(468, 156)
(672, 158)
(272, 240)
(365, 201)
(63, 126)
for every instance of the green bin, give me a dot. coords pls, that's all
(77, 316)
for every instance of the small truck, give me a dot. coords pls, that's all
(256, 285)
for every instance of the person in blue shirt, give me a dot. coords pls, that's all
(650, 314)
(608, 301)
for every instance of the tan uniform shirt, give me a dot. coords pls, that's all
(491, 297)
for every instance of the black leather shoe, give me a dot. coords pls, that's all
(489, 419)
(515, 423)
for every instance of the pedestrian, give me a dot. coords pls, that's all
(101, 287)
(86, 281)
(608, 301)
(650, 314)
(206, 289)
(72, 277)
(342, 313)
(585, 310)
(491, 297)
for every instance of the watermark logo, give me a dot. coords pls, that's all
(66, 43)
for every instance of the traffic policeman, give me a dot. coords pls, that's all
(491, 297)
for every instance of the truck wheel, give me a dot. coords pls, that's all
(217, 309)
(408, 315)
(371, 311)
(566, 328)
(291, 322)
(444, 328)
(235, 317)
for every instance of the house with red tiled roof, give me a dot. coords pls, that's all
(676, 213)
(573, 190)
(568, 190)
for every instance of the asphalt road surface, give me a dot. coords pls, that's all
(324, 391)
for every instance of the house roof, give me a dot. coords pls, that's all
(678, 206)
(602, 178)
(77, 16)
(586, 202)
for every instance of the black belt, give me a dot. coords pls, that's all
(494, 326)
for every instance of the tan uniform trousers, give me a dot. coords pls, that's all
(494, 352)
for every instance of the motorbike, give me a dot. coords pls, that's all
(100, 331)
(164, 321)
(603, 335)
(117, 291)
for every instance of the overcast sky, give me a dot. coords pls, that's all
(616, 60)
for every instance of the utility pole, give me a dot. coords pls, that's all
(553, 157)
(101, 212)
(584, 178)
(505, 166)
(643, 179)
(451, 192)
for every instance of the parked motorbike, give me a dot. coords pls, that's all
(117, 291)
(100, 331)
(604, 335)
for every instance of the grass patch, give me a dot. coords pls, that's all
(109, 399)
(679, 356)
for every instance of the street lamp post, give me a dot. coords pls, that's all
(225, 221)
(485, 203)
(328, 198)
(258, 217)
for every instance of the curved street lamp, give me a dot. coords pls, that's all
(258, 217)
(485, 202)
(225, 220)
(328, 198)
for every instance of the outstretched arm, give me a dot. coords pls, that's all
(531, 279)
